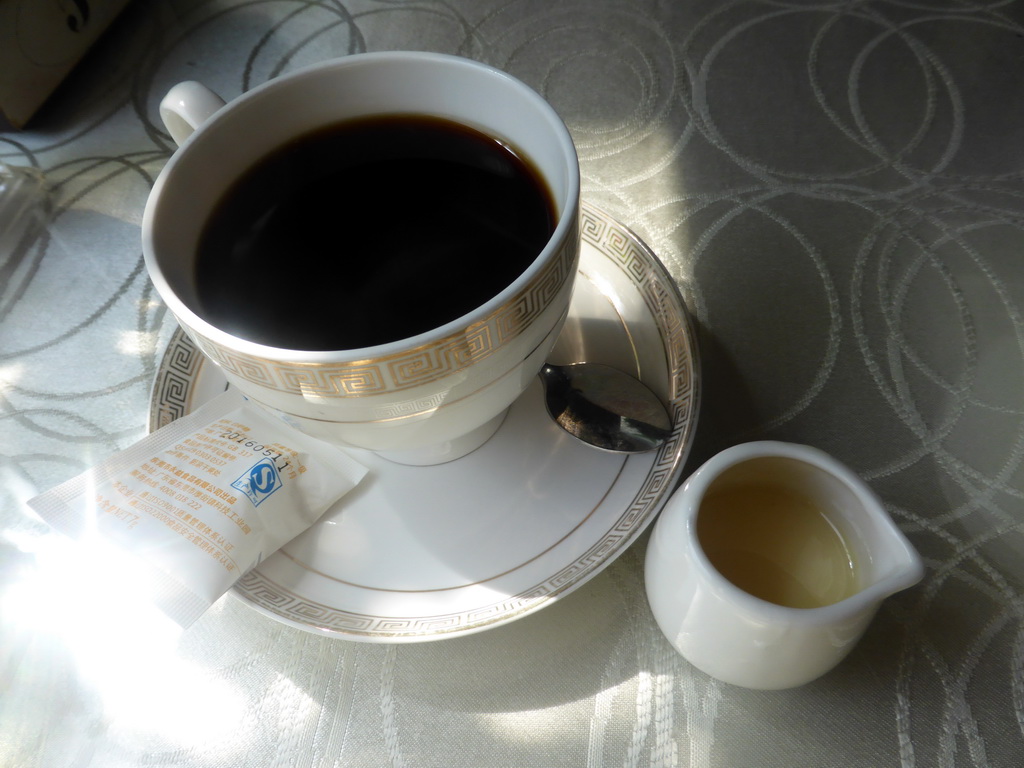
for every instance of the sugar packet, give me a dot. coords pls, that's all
(203, 500)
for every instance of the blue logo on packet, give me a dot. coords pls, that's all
(259, 482)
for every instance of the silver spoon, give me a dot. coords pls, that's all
(605, 407)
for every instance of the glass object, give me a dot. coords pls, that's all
(23, 208)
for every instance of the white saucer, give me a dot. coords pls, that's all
(423, 553)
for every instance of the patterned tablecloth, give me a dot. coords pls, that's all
(837, 187)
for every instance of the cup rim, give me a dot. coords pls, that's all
(564, 228)
(865, 598)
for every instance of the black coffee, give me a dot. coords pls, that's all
(370, 231)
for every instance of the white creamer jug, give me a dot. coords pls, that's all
(810, 554)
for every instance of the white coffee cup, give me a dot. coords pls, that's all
(425, 399)
(747, 640)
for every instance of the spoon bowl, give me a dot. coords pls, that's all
(605, 407)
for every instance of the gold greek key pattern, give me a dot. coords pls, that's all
(357, 380)
(416, 367)
(409, 407)
(272, 597)
(174, 381)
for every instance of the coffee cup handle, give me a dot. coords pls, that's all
(187, 106)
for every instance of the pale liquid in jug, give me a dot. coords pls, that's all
(777, 545)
